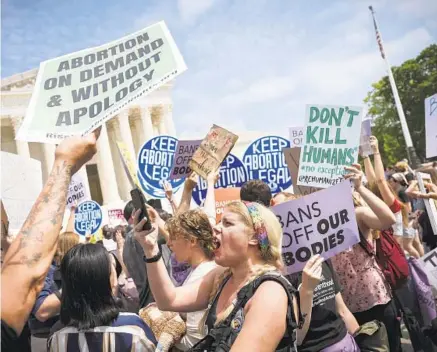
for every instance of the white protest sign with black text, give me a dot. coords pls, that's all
(429, 261)
(78, 191)
(296, 136)
(183, 154)
(76, 93)
(366, 132)
(331, 141)
(320, 223)
(431, 126)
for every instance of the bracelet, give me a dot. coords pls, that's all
(154, 259)
(376, 153)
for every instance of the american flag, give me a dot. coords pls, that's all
(378, 36)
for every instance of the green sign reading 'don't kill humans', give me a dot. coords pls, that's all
(331, 141)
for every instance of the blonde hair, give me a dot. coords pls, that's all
(193, 224)
(272, 258)
(67, 240)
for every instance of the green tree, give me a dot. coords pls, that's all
(416, 80)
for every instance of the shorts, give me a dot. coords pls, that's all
(409, 232)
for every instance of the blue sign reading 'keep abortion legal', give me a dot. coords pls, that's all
(232, 174)
(265, 161)
(155, 160)
(87, 218)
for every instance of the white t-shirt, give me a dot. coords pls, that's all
(194, 333)
(398, 226)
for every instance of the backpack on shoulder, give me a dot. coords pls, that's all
(221, 337)
(390, 258)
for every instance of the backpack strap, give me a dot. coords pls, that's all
(247, 292)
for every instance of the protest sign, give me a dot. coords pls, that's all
(366, 132)
(431, 125)
(430, 206)
(292, 157)
(332, 136)
(296, 136)
(184, 153)
(232, 174)
(320, 223)
(21, 183)
(223, 196)
(116, 217)
(155, 160)
(76, 93)
(212, 151)
(87, 218)
(128, 163)
(78, 190)
(265, 161)
(429, 261)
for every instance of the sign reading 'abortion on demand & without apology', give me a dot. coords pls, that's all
(76, 93)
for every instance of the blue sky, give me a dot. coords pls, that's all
(252, 64)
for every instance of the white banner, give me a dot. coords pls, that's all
(21, 183)
(78, 191)
(431, 126)
(296, 136)
(76, 93)
(429, 261)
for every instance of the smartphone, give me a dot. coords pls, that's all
(140, 203)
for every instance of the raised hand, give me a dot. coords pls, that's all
(312, 273)
(148, 239)
(76, 151)
(355, 175)
(374, 144)
(168, 188)
(213, 176)
(191, 181)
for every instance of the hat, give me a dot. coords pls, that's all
(400, 178)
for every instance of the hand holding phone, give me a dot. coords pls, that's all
(140, 203)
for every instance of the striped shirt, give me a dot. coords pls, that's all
(127, 333)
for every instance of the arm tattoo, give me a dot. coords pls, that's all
(40, 231)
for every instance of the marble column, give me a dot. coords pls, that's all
(22, 147)
(125, 131)
(167, 115)
(120, 175)
(105, 165)
(146, 119)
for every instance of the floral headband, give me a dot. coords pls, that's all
(259, 227)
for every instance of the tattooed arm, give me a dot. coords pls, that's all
(28, 259)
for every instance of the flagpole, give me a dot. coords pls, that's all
(412, 156)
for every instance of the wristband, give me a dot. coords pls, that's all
(154, 259)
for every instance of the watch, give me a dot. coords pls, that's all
(154, 259)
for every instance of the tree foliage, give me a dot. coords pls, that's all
(416, 79)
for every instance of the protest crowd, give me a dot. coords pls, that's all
(189, 283)
(343, 260)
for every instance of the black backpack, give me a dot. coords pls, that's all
(221, 337)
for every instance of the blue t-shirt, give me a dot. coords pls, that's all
(127, 330)
(39, 328)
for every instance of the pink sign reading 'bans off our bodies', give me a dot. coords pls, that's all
(320, 223)
(183, 154)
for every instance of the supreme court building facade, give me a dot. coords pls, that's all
(146, 118)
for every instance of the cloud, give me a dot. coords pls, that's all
(190, 10)
(266, 89)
